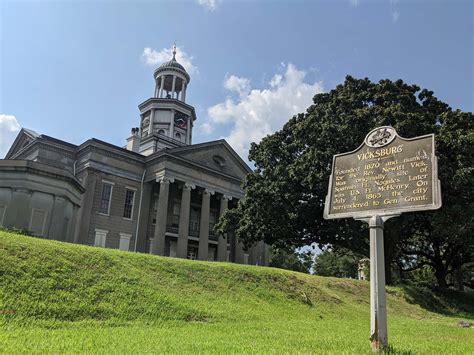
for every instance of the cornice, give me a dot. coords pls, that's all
(40, 169)
(165, 155)
(176, 102)
(39, 143)
(128, 157)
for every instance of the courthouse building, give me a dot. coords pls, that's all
(160, 194)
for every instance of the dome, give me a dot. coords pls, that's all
(172, 65)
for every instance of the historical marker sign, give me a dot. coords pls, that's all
(386, 175)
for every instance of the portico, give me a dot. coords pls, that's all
(184, 220)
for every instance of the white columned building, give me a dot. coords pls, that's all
(160, 194)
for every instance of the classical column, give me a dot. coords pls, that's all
(183, 94)
(222, 240)
(188, 130)
(173, 87)
(173, 112)
(158, 246)
(183, 231)
(203, 251)
(239, 250)
(267, 256)
(58, 214)
(253, 255)
(72, 224)
(157, 89)
(152, 119)
(160, 94)
(18, 213)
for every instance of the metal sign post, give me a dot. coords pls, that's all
(386, 176)
(378, 310)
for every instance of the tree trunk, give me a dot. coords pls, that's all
(441, 270)
(459, 279)
(440, 274)
(388, 269)
(390, 248)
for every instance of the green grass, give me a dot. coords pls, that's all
(63, 298)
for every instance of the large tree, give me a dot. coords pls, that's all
(285, 194)
(337, 262)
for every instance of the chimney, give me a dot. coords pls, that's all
(133, 141)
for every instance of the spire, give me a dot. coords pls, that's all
(174, 51)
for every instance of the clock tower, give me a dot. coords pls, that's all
(166, 120)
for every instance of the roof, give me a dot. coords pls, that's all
(173, 65)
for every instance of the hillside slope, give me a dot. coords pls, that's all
(62, 297)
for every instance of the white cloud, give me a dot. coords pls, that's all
(206, 128)
(210, 5)
(9, 128)
(153, 57)
(395, 16)
(237, 84)
(394, 10)
(258, 112)
(354, 2)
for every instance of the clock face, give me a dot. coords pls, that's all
(180, 121)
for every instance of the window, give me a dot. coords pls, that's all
(194, 222)
(212, 221)
(161, 131)
(105, 198)
(125, 241)
(173, 248)
(2, 214)
(192, 253)
(155, 209)
(178, 136)
(100, 237)
(212, 251)
(176, 210)
(37, 222)
(129, 200)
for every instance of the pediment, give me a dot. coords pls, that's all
(24, 138)
(216, 155)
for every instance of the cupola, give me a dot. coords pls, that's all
(171, 80)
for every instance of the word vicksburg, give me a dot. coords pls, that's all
(397, 176)
(386, 176)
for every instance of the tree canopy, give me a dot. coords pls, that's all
(285, 194)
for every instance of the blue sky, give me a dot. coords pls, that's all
(78, 69)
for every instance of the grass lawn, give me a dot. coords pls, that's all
(64, 298)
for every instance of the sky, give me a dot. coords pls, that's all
(79, 69)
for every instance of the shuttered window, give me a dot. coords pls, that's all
(105, 198)
(129, 201)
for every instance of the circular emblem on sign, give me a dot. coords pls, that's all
(380, 136)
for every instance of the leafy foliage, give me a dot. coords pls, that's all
(285, 194)
(293, 260)
(338, 263)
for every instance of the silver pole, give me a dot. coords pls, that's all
(378, 310)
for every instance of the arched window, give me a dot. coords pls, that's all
(162, 131)
(177, 136)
